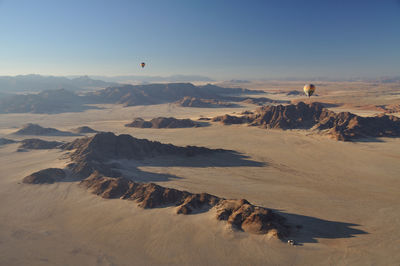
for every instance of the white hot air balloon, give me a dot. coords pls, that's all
(309, 89)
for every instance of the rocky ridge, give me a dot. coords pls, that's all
(240, 214)
(341, 126)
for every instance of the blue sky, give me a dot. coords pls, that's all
(217, 38)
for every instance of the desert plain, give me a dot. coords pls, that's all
(341, 197)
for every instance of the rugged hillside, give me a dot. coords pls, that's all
(163, 122)
(93, 153)
(342, 126)
(240, 214)
(34, 129)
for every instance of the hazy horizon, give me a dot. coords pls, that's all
(202, 78)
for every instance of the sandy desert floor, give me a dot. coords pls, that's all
(344, 194)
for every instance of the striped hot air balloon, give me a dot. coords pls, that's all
(309, 89)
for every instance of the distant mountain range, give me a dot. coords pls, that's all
(382, 79)
(35, 83)
(46, 102)
(62, 100)
(151, 79)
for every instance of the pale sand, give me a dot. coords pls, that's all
(320, 183)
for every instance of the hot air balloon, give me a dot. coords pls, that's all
(309, 89)
(143, 64)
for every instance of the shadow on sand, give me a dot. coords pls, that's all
(224, 158)
(371, 139)
(130, 168)
(307, 229)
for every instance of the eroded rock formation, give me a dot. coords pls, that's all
(240, 214)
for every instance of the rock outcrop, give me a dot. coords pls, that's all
(45, 176)
(163, 122)
(37, 130)
(39, 144)
(91, 154)
(240, 214)
(341, 126)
